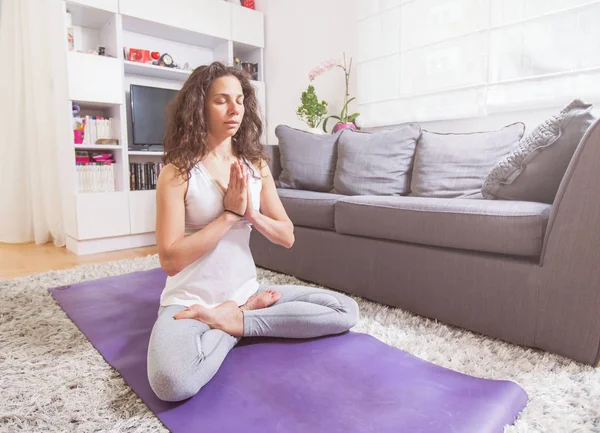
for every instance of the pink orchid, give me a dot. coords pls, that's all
(323, 67)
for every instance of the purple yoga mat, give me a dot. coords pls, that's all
(345, 383)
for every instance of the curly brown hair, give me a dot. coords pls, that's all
(186, 136)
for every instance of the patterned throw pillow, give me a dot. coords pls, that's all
(534, 170)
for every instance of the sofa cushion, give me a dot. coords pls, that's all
(307, 160)
(456, 165)
(505, 227)
(309, 208)
(375, 163)
(534, 170)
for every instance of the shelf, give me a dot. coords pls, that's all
(90, 17)
(97, 147)
(93, 105)
(144, 153)
(136, 68)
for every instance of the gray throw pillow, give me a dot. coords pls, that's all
(375, 163)
(307, 160)
(456, 165)
(534, 169)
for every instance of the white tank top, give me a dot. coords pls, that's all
(227, 272)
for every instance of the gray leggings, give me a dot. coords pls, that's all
(183, 355)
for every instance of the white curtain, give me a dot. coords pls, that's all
(34, 121)
(422, 60)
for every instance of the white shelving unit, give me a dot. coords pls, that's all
(195, 33)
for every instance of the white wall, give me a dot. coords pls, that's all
(298, 36)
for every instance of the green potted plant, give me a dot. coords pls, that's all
(345, 119)
(311, 111)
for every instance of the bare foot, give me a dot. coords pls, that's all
(227, 317)
(262, 299)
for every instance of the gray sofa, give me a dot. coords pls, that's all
(523, 272)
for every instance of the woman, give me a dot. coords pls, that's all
(214, 187)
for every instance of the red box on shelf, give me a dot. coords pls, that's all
(139, 55)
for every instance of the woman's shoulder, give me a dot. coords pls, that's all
(170, 172)
(172, 177)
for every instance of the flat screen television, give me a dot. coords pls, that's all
(149, 114)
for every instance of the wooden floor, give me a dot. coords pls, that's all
(17, 260)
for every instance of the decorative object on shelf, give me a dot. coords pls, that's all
(311, 111)
(138, 55)
(251, 68)
(237, 63)
(78, 136)
(248, 4)
(345, 120)
(101, 51)
(114, 141)
(78, 126)
(166, 60)
(154, 58)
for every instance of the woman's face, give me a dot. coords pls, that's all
(225, 107)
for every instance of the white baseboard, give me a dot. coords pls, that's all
(94, 246)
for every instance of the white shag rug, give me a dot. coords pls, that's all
(52, 379)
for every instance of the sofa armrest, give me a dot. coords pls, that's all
(569, 285)
(272, 151)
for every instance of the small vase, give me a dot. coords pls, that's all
(315, 130)
(340, 126)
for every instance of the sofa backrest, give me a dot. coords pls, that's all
(275, 163)
(273, 151)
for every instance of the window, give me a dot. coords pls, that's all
(422, 60)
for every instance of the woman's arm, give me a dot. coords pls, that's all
(175, 250)
(272, 220)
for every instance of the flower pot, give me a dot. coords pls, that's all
(340, 126)
(316, 130)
